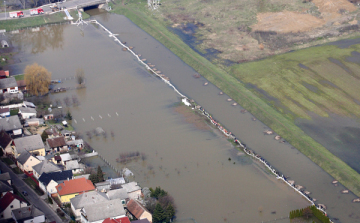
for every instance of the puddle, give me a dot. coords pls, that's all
(310, 87)
(337, 62)
(303, 66)
(355, 57)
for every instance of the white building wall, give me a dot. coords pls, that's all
(15, 205)
(37, 219)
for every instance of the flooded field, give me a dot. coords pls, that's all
(209, 179)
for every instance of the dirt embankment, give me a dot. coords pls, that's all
(192, 117)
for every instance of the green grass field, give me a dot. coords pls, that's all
(282, 124)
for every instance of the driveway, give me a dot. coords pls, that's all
(32, 197)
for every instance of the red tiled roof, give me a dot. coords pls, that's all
(75, 186)
(118, 220)
(7, 199)
(4, 73)
(135, 208)
(56, 142)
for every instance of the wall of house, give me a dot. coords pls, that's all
(28, 165)
(5, 114)
(146, 215)
(13, 90)
(13, 205)
(28, 115)
(37, 219)
(8, 149)
(76, 212)
(66, 198)
(51, 187)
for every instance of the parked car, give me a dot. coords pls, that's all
(25, 193)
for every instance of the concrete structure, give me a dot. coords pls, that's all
(70, 188)
(8, 85)
(5, 142)
(27, 112)
(49, 181)
(8, 203)
(138, 210)
(26, 161)
(133, 190)
(4, 112)
(11, 125)
(45, 167)
(28, 215)
(88, 198)
(32, 144)
(98, 213)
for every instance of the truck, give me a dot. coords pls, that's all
(37, 11)
(16, 14)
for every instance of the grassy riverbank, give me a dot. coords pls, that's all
(15, 24)
(283, 125)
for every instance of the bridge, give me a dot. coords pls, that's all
(86, 4)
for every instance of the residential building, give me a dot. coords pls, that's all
(56, 159)
(138, 211)
(133, 190)
(117, 220)
(70, 188)
(120, 194)
(74, 166)
(45, 167)
(4, 112)
(8, 203)
(78, 143)
(49, 117)
(4, 188)
(5, 142)
(28, 104)
(8, 85)
(52, 132)
(28, 214)
(66, 133)
(88, 198)
(26, 161)
(116, 181)
(5, 177)
(34, 122)
(57, 144)
(32, 144)
(65, 157)
(21, 85)
(11, 125)
(103, 186)
(98, 213)
(4, 74)
(27, 112)
(49, 181)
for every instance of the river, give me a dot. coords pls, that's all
(192, 164)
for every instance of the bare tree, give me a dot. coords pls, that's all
(80, 76)
(37, 79)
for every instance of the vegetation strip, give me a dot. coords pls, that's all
(235, 89)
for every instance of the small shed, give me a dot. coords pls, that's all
(4, 44)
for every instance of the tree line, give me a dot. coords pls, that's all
(308, 212)
(161, 205)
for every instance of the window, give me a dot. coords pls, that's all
(11, 206)
(2, 216)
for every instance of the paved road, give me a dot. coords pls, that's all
(33, 198)
(47, 9)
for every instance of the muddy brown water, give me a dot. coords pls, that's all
(121, 96)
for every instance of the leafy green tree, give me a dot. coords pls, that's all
(157, 193)
(170, 213)
(94, 178)
(159, 214)
(100, 174)
(68, 115)
(44, 136)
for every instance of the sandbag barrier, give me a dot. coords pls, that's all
(191, 103)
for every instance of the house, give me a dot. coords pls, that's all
(117, 220)
(98, 213)
(57, 159)
(138, 210)
(81, 200)
(26, 161)
(21, 85)
(4, 74)
(27, 112)
(74, 166)
(49, 117)
(116, 181)
(65, 157)
(45, 167)
(8, 85)
(78, 143)
(52, 132)
(120, 194)
(5, 142)
(28, 214)
(70, 188)
(34, 122)
(66, 133)
(11, 125)
(57, 144)
(133, 190)
(4, 112)
(4, 188)
(8, 203)
(32, 144)
(49, 181)
(103, 186)
(28, 104)
(5, 177)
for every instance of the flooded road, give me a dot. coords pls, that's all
(192, 164)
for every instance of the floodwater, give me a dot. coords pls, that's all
(193, 165)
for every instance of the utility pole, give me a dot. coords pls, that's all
(5, 9)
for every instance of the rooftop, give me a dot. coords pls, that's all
(130, 187)
(65, 157)
(4, 110)
(10, 123)
(52, 131)
(88, 198)
(135, 208)
(107, 209)
(6, 200)
(5, 177)
(24, 157)
(73, 164)
(5, 139)
(45, 178)
(27, 110)
(8, 83)
(117, 194)
(29, 104)
(75, 186)
(26, 213)
(5, 187)
(28, 143)
(46, 167)
(56, 142)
